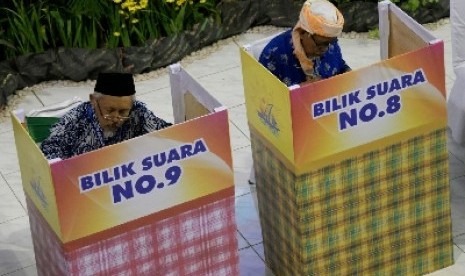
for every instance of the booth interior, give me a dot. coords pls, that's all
(158, 204)
(352, 171)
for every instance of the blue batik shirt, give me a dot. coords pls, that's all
(278, 57)
(78, 131)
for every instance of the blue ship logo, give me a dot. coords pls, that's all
(37, 188)
(267, 118)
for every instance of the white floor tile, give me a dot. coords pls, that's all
(26, 101)
(359, 53)
(457, 269)
(27, 271)
(242, 243)
(224, 57)
(150, 85)
(456, 167)
(456, 149)
(460, 243)
(238, 138)
(228, 95)
(159, 101)
(256, 34)
(53, 95)
(8, 157)
(15, 183)
(457, 214)
(242, 159)
(247, 220)
(16, 249)
(10, 207)
(241, 182)
(238, 116)
(251, 264)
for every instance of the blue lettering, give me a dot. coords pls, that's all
(186, 151)
(199, 147)
(418, 77)
(382, 88)
(119, 190)
(161, 161)
(173, 156)
(406, 81)
(86, 183)
(372, 111)
(98, 182)
(345, 118)
(395, 85)
(150, 184)
(318, 110)
(126, 170)
(106, 177)
(353, 98)
(116, 173)
(371, 92)
(146, 163)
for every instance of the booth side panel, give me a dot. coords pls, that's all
(399, 26)
(368, 108)
(127, 181)
(35, 175)
(268, 105)
(279, 214)
(189, 99)
(199, 241)
(49, 253)
(398, 31)
(385, 211)
(388, 210)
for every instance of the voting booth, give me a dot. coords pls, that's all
(352, 172)
(158, 204)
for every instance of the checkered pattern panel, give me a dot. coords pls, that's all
(46, 244)
(384, 212)
(201, 241)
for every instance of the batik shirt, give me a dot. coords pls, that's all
(278, 57)
(78, 131)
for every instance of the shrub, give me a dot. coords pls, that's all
(34, 26)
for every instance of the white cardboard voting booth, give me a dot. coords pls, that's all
(158, 204)
(352, 171)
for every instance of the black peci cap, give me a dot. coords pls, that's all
(115, 84)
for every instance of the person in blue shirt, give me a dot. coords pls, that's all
(111, 116)
(310, 51)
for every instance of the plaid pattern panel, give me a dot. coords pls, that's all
(201, 241)
(385, 212)
(47, 246)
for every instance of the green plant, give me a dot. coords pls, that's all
(178, 15)
(408, 5)
(373, 34)
(25, 30)
(136, 22)
(413, 5)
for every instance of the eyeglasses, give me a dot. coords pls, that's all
(320, 44)
(111, 117)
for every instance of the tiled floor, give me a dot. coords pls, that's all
(218, 69)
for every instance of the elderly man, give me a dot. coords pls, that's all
(112, 115)
(310, 50)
